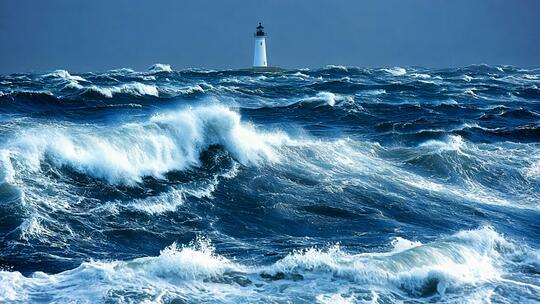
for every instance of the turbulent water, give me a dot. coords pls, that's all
(331, 185)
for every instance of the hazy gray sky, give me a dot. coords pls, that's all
(105, 34)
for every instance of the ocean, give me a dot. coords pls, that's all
(328, 185)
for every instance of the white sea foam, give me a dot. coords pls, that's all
(73, 81)
(421, 75)
(63, 74)
(159, 67)
(171, 199)
(32, 227)
(469, 257)
(466, 259)
(300, 74)
(7, 173)
(147, 277)
(134, 88)
(327, 98)
(166, 202)
(533, 171)
(530, 77)
(167, 141)
(467, 78)
(149, 77)
(373, 92)
(337, 67)
(396, 71)
(122, 71)
(452, 143)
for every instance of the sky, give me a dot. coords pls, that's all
(100, 35)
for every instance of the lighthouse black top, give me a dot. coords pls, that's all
(260, 31)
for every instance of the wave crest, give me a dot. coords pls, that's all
(166, 142)
(159, 67)
(467, 258)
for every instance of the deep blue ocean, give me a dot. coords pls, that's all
(330, 185)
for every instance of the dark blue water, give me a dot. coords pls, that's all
(331, 185)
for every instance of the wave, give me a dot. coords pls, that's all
(396, 71)
(334, 67)
(159, 67)
(451, 143)
(469, 257)
(325, 99)
(135, 89)
(169, 200)
(166, 142)
(421, 75)
(65, 75)
(411, 270)
(7, 173)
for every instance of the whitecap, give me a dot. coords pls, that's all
(300, 74)
(327, 98)
(63, 74)
(337, 67)
(421, 75)
(159, 67)
(467, 78)
(167, 141)
(466, 259)
(134, 88)
(396, 71)
(451, 143)
(7, 173)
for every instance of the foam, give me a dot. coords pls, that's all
(166, 142)
(470, 258)
(162, 203)
(148, 276)
(72, 80)
(337, 67)
(396, 71)
(333, 299)
(159, 67)
(467, 78)
(7, 173)
(530, 77)
(327, 98)
(373, 92)
(32, 227)
(300, 75)
(533, 171)
(451, 143)
(134, 88)
(63, 74)
(171, 199)
(421, 76)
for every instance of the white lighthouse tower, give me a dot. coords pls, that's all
(259, 55)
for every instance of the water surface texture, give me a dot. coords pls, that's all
(330, 185)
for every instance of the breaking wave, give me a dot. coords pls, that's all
(159, 67)
(166, 142)
(408, 270)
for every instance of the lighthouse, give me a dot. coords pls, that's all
(259, 52)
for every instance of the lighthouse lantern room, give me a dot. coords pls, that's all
(259, 55)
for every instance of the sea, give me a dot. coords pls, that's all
(324, 185)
